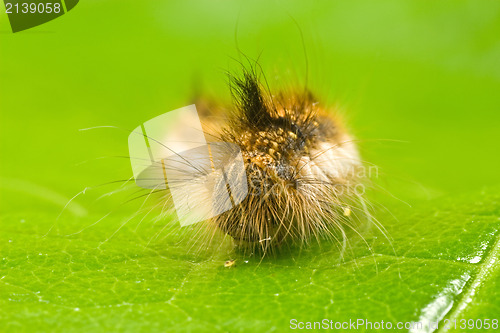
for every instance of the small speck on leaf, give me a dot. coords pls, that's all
(229, 263)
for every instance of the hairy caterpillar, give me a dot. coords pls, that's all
(301, 166)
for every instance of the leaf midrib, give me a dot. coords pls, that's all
(484, 269)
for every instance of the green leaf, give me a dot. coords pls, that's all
(441, 262)
(417, 82)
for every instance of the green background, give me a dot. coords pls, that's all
(417, 81)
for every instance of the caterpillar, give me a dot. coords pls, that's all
(300, 163)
